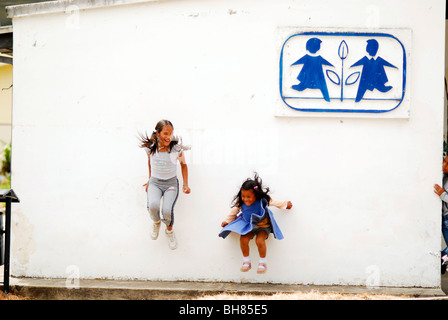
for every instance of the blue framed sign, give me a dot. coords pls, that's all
(344, 72)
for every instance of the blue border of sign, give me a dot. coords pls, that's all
(347, 34)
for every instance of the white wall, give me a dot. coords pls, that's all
(87, 80)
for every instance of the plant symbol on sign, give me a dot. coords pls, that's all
(334, 77)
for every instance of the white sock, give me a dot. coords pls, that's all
(263, 260)
(246, 259)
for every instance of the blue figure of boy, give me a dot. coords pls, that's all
(312, 74)
(373, 75)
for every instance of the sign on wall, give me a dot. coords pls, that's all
(325, 73)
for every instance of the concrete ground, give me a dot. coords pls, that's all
(59, 289)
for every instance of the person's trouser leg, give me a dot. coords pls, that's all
(154, 195)
(169, 200)
(445, 233)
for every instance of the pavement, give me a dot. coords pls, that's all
(102, 289)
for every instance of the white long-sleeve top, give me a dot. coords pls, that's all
(281, 204)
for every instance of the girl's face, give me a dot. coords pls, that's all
(165, 136)
(248, 197)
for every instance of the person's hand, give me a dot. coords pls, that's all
(289, 205)
(438, 189)
(224, 223)
(146, 186)
(186, 189)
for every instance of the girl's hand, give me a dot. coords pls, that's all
(186, 189)
(223, 224)
(146, 186)
(438, 189)
(289, 205)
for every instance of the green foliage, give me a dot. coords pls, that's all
(6, 161)
(5, 169)
(5, 184)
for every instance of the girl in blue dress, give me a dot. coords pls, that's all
(250, 217)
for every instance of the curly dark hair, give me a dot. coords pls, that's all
(255, 184)
(151, 142)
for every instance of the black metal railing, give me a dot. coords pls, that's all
(7, 196)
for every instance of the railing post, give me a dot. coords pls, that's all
(7, 196)
(7, 245)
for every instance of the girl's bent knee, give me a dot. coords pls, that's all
(154, 205)
(246, 238)
(260, 241)
(261, 238)
(153, 211)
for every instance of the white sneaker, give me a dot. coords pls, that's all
(155, 231)
(172, 242)
(445, 259)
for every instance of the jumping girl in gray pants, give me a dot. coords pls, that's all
(163, 153)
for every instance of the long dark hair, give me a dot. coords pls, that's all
(152, 142)
(255, 184)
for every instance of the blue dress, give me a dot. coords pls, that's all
(312, 74)
(248, 219)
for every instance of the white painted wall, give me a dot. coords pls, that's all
(86, 80)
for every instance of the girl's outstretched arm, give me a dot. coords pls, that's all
(231, 216)
(149, 168)
(280, 204)
(184, 168)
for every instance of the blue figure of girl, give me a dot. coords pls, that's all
(373, 75)
(164, 151)
(312, 74)
(250, 217)
(441, 191)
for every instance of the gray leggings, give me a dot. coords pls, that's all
(169, 190)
